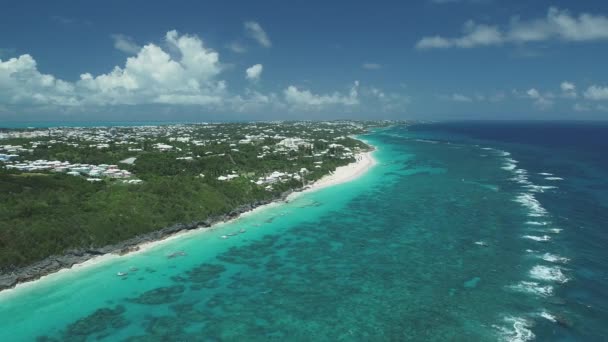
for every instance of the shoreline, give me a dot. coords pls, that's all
(55, 265)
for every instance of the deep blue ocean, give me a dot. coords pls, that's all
(476, 231)
(562, 170)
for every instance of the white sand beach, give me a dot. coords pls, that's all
(364, 161)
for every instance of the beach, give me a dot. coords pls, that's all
(363, 162)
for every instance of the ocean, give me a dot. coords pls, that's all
(477, 231)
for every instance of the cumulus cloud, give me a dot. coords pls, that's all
(151, 76)
(254, 72)
(556, 25)
(596, 93)
(183, 72)
(255, 31)
(371, 66)
(22, 83)
(542, 101)
(568, 90)
(304, 99)
(125, 44)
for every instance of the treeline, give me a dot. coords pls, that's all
(47, 214)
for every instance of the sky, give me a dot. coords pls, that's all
(290, 60)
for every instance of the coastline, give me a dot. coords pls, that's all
(75, 260)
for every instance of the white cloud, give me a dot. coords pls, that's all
(152, 76)
(184, 73)
(460, 98)
(371, 66)
(474, 35)
(542, 101)
(125, 44)
(556, 25)
(22, 83)
(560, 24)
(597, 93)
(568, 90)
(304, 99)
(377, 93)
(255, 31)
(254, 72)
(567, 86)
(456, 97)
(256, 101)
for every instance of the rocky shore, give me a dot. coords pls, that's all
(72, 257)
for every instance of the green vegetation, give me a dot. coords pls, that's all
(46, 212)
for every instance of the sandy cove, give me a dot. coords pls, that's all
(364, 161)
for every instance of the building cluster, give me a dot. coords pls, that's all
(186, 142)
(93, 173)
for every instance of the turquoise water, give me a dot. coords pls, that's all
(429, 245)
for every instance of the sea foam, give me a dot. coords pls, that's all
(544, 238)
(548, 316)
(533, 288)
(540, 188)
(518, 331)
(548, 273)
(529, 201)
(554, 258)
(554, 178)
(537, 223)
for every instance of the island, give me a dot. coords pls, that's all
(72, 193)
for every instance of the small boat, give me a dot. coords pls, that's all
(224, 236)
(121, 274)
(481, 243)
(133, 269)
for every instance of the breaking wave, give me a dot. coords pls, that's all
(517, 330)
(546, 273)
(529, 201)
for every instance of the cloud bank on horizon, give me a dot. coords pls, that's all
(182, 72)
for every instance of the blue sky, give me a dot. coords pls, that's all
(245, 60)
